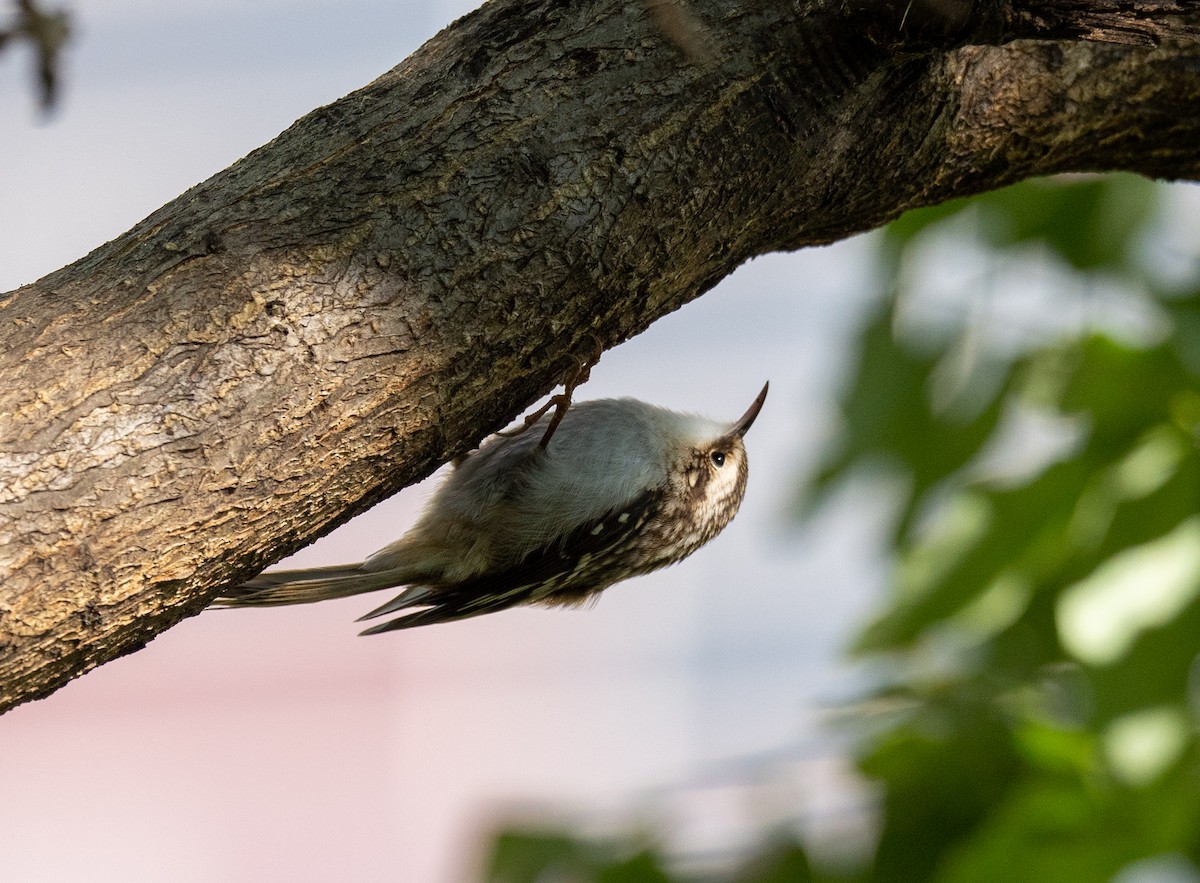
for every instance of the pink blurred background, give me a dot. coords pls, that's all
(277, 745)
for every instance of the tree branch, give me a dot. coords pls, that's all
(403, 271)
(1134, 22)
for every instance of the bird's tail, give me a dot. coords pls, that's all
(308, 585)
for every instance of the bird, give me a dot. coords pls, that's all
(614, 488)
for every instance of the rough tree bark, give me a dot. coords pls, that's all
(402, 271)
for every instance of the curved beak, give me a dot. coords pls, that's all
(747, 420)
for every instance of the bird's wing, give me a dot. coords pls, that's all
(565, 571)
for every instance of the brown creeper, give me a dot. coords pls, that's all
(619, 489)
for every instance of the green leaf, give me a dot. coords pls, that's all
(532, 857)
(1123, 390)
(889, 418)
(1051, 831)
(524, 857)
(1090, 223)
(942, 772)
(1026, 536)
(641, 868)
(782, 860)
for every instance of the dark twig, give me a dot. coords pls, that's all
(48, 32)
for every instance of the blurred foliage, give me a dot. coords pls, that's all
(564, 857)
(527, 857)
(1039, 688)
(1041, 640)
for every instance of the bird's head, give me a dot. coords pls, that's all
(712, 472)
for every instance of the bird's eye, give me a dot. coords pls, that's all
(718, 458)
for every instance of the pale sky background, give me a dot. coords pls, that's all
(278, 745)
